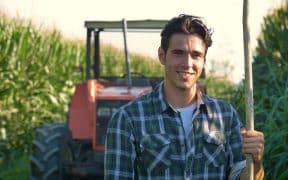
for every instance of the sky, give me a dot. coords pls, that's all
(224, 16)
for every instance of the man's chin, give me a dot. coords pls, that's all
(185, 86)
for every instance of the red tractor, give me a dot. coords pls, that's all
(75, 150)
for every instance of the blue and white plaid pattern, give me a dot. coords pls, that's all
(146, 140)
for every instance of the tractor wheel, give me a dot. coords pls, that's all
(49, 150)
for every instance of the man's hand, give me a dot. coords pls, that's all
(253, 143)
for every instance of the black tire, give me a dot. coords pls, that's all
(48, 150)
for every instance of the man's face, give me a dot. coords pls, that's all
(183, 61)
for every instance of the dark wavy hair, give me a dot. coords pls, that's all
(186, 24)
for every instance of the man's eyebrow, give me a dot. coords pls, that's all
(178, 50)
(193, 52)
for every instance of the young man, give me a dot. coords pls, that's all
(176, 132)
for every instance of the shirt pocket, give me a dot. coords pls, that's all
(155, 153)
(214, 149)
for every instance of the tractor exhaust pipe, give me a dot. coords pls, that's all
(127, 62)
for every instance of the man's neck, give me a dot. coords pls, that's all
(179, 98)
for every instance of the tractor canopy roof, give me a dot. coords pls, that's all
(137, 25)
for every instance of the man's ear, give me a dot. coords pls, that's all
(161, 55)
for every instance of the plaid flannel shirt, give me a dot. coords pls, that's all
(146, 140)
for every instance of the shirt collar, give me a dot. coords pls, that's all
(161, 105)
(159, 101)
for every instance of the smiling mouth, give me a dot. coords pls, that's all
(185, 73)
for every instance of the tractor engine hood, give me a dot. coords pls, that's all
(122, 92)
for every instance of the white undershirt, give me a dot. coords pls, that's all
(187, 116)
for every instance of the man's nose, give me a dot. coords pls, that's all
(189, 62)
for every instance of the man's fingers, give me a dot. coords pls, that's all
(254, 151)
(253, 143)
(247, 140)
(254, 133)
(253, 146)
(250, 134)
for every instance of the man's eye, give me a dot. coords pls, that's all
(196, 55)
(178, 52)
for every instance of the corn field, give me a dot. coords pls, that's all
(37, 79)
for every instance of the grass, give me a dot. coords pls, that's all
(15, 169)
